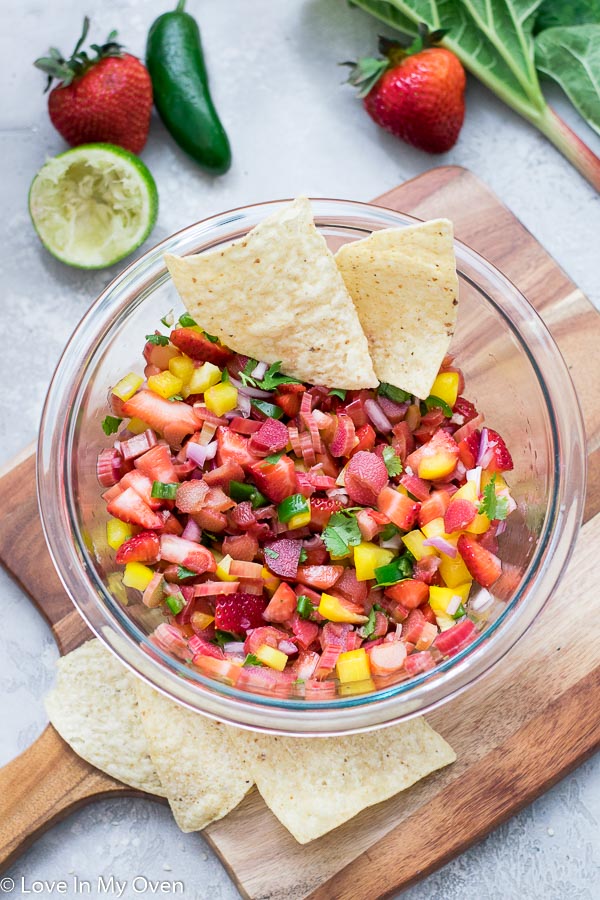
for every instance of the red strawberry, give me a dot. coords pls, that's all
(459, 514)
(193, 556)
(365, 476)
(483, 565)
(106, 98)
(239, 612)
(275, 480)
(321, 510)
(198, 347)
(501, 460)
(468, 449)
(417, 94)
(143, 547)
(233, 446)
(157, 464)
(129, 507)
(463, 411)
(172, 419)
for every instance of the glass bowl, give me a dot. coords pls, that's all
(515, 375)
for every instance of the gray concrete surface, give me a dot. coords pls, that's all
(294, 128)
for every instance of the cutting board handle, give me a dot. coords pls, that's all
(42, 786)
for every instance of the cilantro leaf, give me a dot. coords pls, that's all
(175, 397)
(341, 533)
(303, 556)
(368, 628)
(389, 532)
(182, 572)
(338, 392)
(304, 607)
(272, 554)
(492, 506)
(159, 340)
(252, 660)
(110, 425)
(274, 458)
(393, 393)
(223, 637)
(211, 337)
(392, 461)
(186, 321)
(271, 379)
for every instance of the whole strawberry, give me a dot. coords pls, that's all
(417, 93)
(106, 98)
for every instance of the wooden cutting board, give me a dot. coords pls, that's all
(534, 718)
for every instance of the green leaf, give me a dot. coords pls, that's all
(110, 425)
(392, 461)
(303, 556)
(186, 321)
(211, 337)
(252, 660)
(304, 607)
(388, 532)
(393, 393)
(338, 392)
(365, 74)
(571, 57)
(341, 533)
(368, 628)
(274, 458)
(272, 377)
(224, 637)
(492, 506)
(160, 340)
(182, 572)
(553, 13)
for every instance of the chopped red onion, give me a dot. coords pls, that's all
(338, 493)
(377, 416)
(249, 391)
(474, 475)
(481, 601)
(500, 528)
(244, 405)
(484, 457)
(452, 607)
(199, 453)
(442, 545)
(192, 531)
(287, 647)
(260, 371)
(393, 543)
(236, 647)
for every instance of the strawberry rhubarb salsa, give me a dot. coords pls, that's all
(296, 538)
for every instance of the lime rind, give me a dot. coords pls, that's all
(93, 205)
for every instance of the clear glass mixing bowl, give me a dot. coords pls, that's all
(514, 373)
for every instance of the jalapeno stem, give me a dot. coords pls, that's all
(180, 5)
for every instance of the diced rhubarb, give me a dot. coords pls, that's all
(320, 577)
(416, 486)
(263, 634)
(129, 507)
(211, 520)
(109, 467)
(426, 569)
(215, 588)
(154, 593)
(344, 438)
(403, 441)
(173, 419)
(200, 647)
(387, 658)
(240, 546)
(271, 437)
(191, 496)
(138, 444)
(221, 669)
(304, 631)
(365, 477)
(192, 556)
(282, 604)
(456, 638)
(412, 628)
(143, 548)
(419, 662)
(170, 639)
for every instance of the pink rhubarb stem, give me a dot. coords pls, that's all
(570, 145)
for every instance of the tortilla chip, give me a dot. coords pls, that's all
(404, 284)
(315, 785)
(93, 707)
(277, 295)
(203, 773)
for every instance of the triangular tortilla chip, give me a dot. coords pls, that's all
(93, 707)
(201, 769)
(277, 295)
(404, 284)
(313, 785)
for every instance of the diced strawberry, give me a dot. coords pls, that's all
(222, 475)
(142, 485)
(366, 437)
(454, 639)
(244, 426)
(434, 507)
(243, 515)
(263, 634)
(217, 500)
(489, 540)
(282, 604)
(365, 477)
(418, 487)
(173, 419)
(429, 424)
(282, 556)
(129, 507)
(419, 662)
(344, 436)
(426, 569)
(469, 428)
(321, 510)
(328, 463)
(240, 546)
(271, 437)
(275, 480)
(387, 658)
(191, 496)
(187, 553)
(428, 613)
(484, 566)
(198, 347)
(289, 403)
(410, 593)
(211, 520)
(403, 441)
(356, 408)
(468, 449)
(320, 577)
(463, 411)
(233, 446)
(459, 514)
(399, 508)
(239, 612)
(412, 628)
(371, 522)
(501, 460)
(143, 547)
(304, 631)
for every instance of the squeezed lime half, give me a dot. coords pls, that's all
(93, 205)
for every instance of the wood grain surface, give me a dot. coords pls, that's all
(516, 732)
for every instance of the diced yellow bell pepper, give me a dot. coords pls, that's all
(332, 608)
(205, 376)
(136, 426)
(117, 533)
(413, 541)
(351, 688)
(222, 572)
(271, 581)
(137, 576)
(453, 571)
(445, 622)
(181, 367)
(165, 384)
(271, 657)
(479, 524)
(221, 398)
(127, 386)
(368, 557)
(499, 483)
(445, 387)
(299, 520)
(467, 492)
(353, 665)
(202, 620)
(440, 597)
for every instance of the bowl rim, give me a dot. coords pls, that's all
(263, 712)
